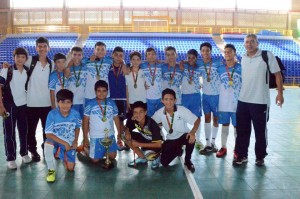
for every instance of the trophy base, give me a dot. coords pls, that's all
(107, 166)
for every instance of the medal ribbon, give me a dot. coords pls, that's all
(230, 76)
(170, 124)
(173, 74)
(208, 72)
(77, 77)
(136, 77)
(152, 74)
(62, 83)
(102, 111)
(191, 75)
(99, 68)
(117, 72)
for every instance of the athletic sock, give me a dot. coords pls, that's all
(224, 135)
(207, 129)
(48, 150)
(214, 134)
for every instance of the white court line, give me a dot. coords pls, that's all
(189, 175)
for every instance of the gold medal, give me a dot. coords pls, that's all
(190, 82)
(152, 82)
(171, 81)
(230, 83)
(135, 85)
(98, 77)
(208, 79)
(104, 119)
(77, 84)
(171, 131)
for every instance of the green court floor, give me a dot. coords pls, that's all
(214, 178)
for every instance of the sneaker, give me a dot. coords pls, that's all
(26, 159)
(35, 157)
(155, 163)
(206, 150)
(137, 161)
(239, 161)
(214, 148)
(221, 152)
(12, 165)
(51, 176)
(190, 166)
(260, 162)
(199, 145)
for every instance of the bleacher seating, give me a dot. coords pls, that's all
(286, 49)
(59, 43)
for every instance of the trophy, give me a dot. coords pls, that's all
(106, 142)
(5, 115)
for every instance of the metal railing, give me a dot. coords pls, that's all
(48, 29)
(284, 32)
(292, 81)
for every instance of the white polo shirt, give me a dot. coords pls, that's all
(182, 117)
(138, 93)
(38, 93)
(17, 85)
(255, 89)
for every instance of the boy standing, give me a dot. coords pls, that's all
(142, 132)
(57, 80)
(99, 117)
(153, 77)
(13, 107)
(231, 81)
(174, 119)
(62, 130)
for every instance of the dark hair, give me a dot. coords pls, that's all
(101, 83)
(135, 53)
(168, 91)
(42, 40)
(230, 46)
(139, 104)
(170, 48)
(76, 49)
(193, 52)
(150, 49)
(20, 51)
(118, 49)
(64, 94)
(100, 43)
(207, 45)
(58, 56)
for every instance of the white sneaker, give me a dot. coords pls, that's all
(26, 159)
(12, 164)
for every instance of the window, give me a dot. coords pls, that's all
(21, 4)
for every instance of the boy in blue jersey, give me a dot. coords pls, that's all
(171, 73)
(231, 82)
(62, 130)
(117, 87)
(210, 97)
(77, 72)
(57, 80)
(100, 114)
(153, 78)
(191, 96)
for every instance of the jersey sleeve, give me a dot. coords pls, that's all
(129, 124)
(155, 130)
(87, 109)
(52, 81)
(50, 123)
(157, 116)
(3, 76)
(78, 120)
(115, 109)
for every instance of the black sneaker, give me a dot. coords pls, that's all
(206, 150)
(190, 166)
(260, 162)
(239, 161)
(214, 148)
(35, 157)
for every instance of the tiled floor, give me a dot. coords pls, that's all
(215, 177)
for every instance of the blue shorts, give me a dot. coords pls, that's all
(64, 155)
(193, 103)
(210, 104)
(224, 118)
(97, 151)
(79, 108)
(153, 105)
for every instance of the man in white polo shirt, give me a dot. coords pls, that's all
(174, 119)
(38, 94)
(254, 100)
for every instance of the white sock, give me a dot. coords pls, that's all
(224, 135)
(235, 133)
(207, 129)
(214, 134)
(48, 151)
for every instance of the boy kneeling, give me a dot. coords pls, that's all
(62, 130)
(142, 132)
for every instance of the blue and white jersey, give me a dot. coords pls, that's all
(154, 90)
(103, 65)
(57, 81)
(77, 82)
(172, 80)
(63, 127)
(96, 125)
(191, 79)
(210, 87)
(229, 94)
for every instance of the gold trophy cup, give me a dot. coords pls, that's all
(106, 142)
